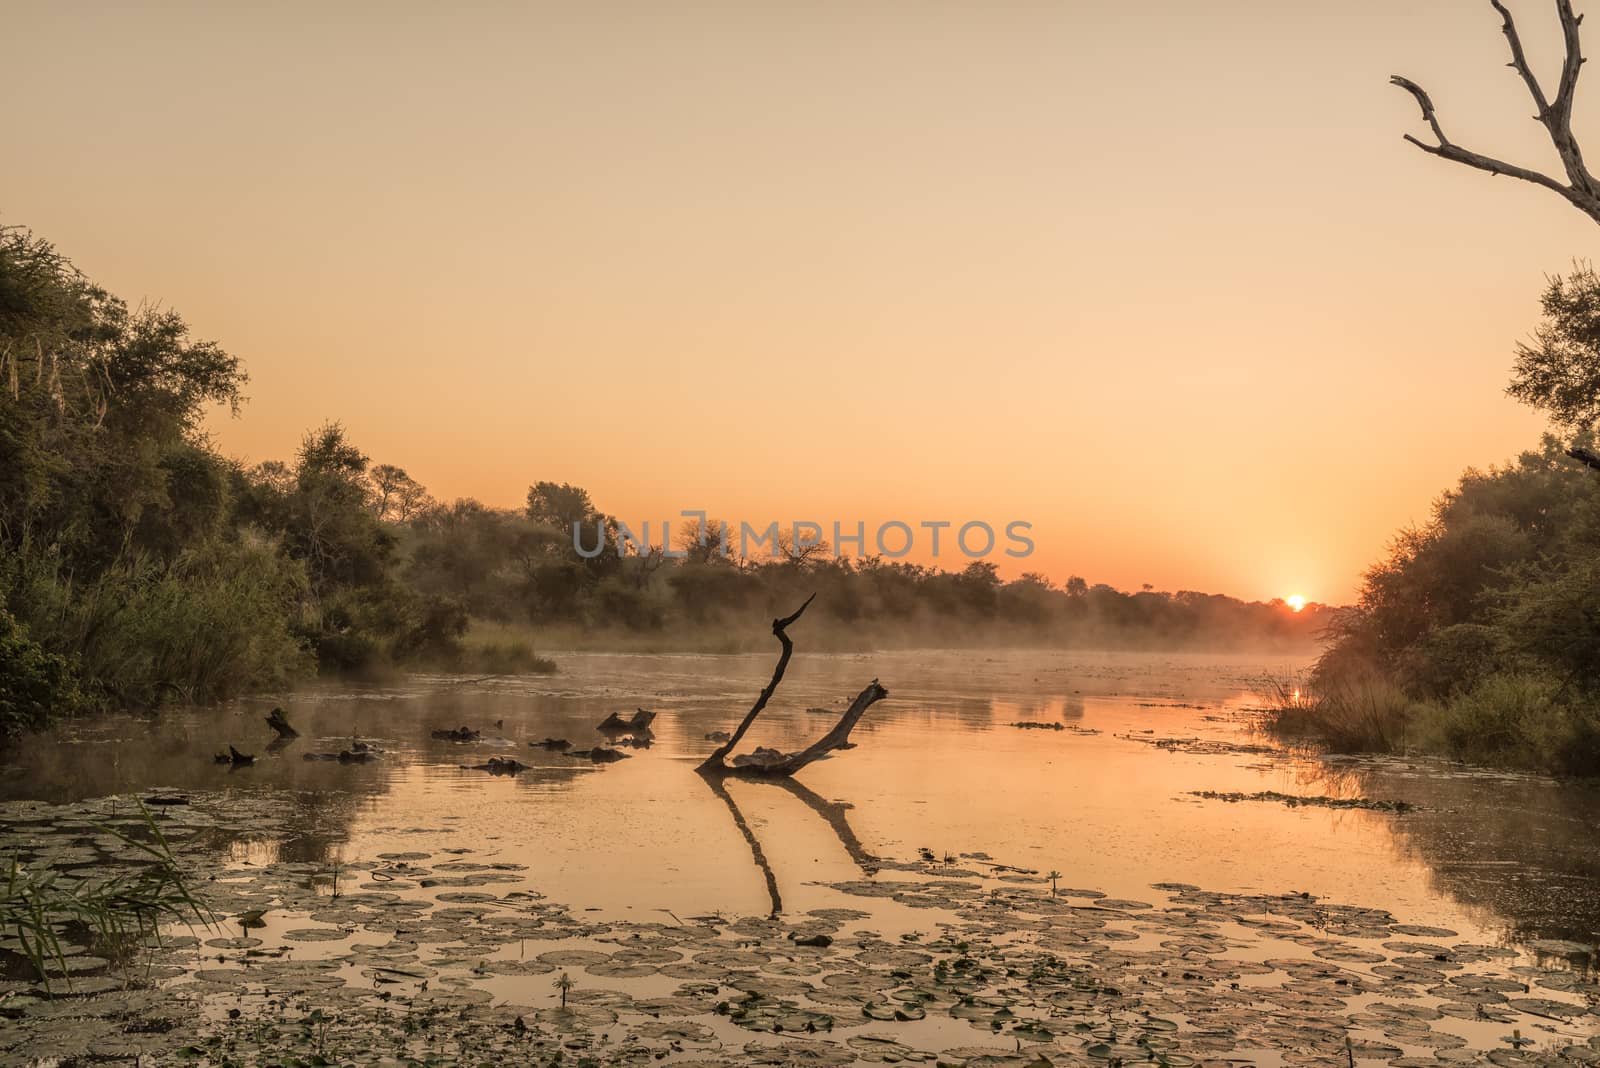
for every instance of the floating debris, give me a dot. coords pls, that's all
(279, 722)
(762, 756)
(358, 753)
(1203, 746)
(810, 940)
(1294, 801)
(498, 766)
(615, 724)
(599, 754)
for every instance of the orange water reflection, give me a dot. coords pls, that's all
(937, 766)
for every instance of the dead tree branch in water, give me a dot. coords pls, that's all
(769, 763)
(1581, 189)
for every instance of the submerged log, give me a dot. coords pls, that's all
(357, 754)
(280, 723)
(615, 724)
(599, 754)
(497, 766)
(770, 762)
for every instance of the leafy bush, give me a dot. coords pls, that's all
(372, 628)
(1553, 619)
(213, 624)
(1522, 721)
(1453, 658)
(618, 601)
(34, 684)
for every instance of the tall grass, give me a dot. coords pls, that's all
(501, 649)
(123, 912)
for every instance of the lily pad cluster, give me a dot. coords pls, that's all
(444, 956)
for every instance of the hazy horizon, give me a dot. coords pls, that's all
(1166, 284)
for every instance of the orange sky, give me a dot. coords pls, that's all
(1161, 279)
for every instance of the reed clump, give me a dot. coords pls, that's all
(117, 914)
(1363, 714)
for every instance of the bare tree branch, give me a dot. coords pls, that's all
(1581, 188)
(1519, 59)
(837, 738)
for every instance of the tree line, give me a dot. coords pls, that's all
(140, 566)
(519, 565)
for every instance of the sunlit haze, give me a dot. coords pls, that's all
(1162, 280)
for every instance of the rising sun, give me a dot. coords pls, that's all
(1295, 601)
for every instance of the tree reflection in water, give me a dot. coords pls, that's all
(832, 813)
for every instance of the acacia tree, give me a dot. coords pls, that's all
(396, 495)
(1581, 189)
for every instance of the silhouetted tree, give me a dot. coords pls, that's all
(560, 505)
(396, 495)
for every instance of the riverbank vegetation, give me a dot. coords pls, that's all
(1478, 636)
(139, 566)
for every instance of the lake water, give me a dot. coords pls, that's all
(1108, 802)
(936, 766)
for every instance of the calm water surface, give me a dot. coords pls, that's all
(937, 766)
